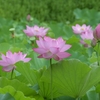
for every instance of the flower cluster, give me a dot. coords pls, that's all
(48, 48)
(85, 32)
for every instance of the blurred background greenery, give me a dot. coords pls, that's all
(45, 10)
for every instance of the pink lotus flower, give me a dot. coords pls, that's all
(8, 61)
(87, 34)
(96, 32)
(52, 48)
(84, 31)
(79, 29)
(36, 31)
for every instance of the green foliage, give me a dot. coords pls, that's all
(27, 72)
(72, 77)
(17, 85)
(16, 94)
(90, 17)
(45, 87)
(45, 10)
(6, 96)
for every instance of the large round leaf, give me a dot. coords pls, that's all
(72, 77)
(27, 72)
(19, 86)
(18, 95)
(45, 87)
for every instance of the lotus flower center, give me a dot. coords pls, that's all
(82, 28)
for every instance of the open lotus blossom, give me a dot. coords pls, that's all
(78, 29)
(35, 31)
(87, 34)
(52, 48)
(84, 31)
(8, 61)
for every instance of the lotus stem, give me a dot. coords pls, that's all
(98, 54)
(12, 74)
(51, 78)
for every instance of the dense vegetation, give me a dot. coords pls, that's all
(45, 10)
